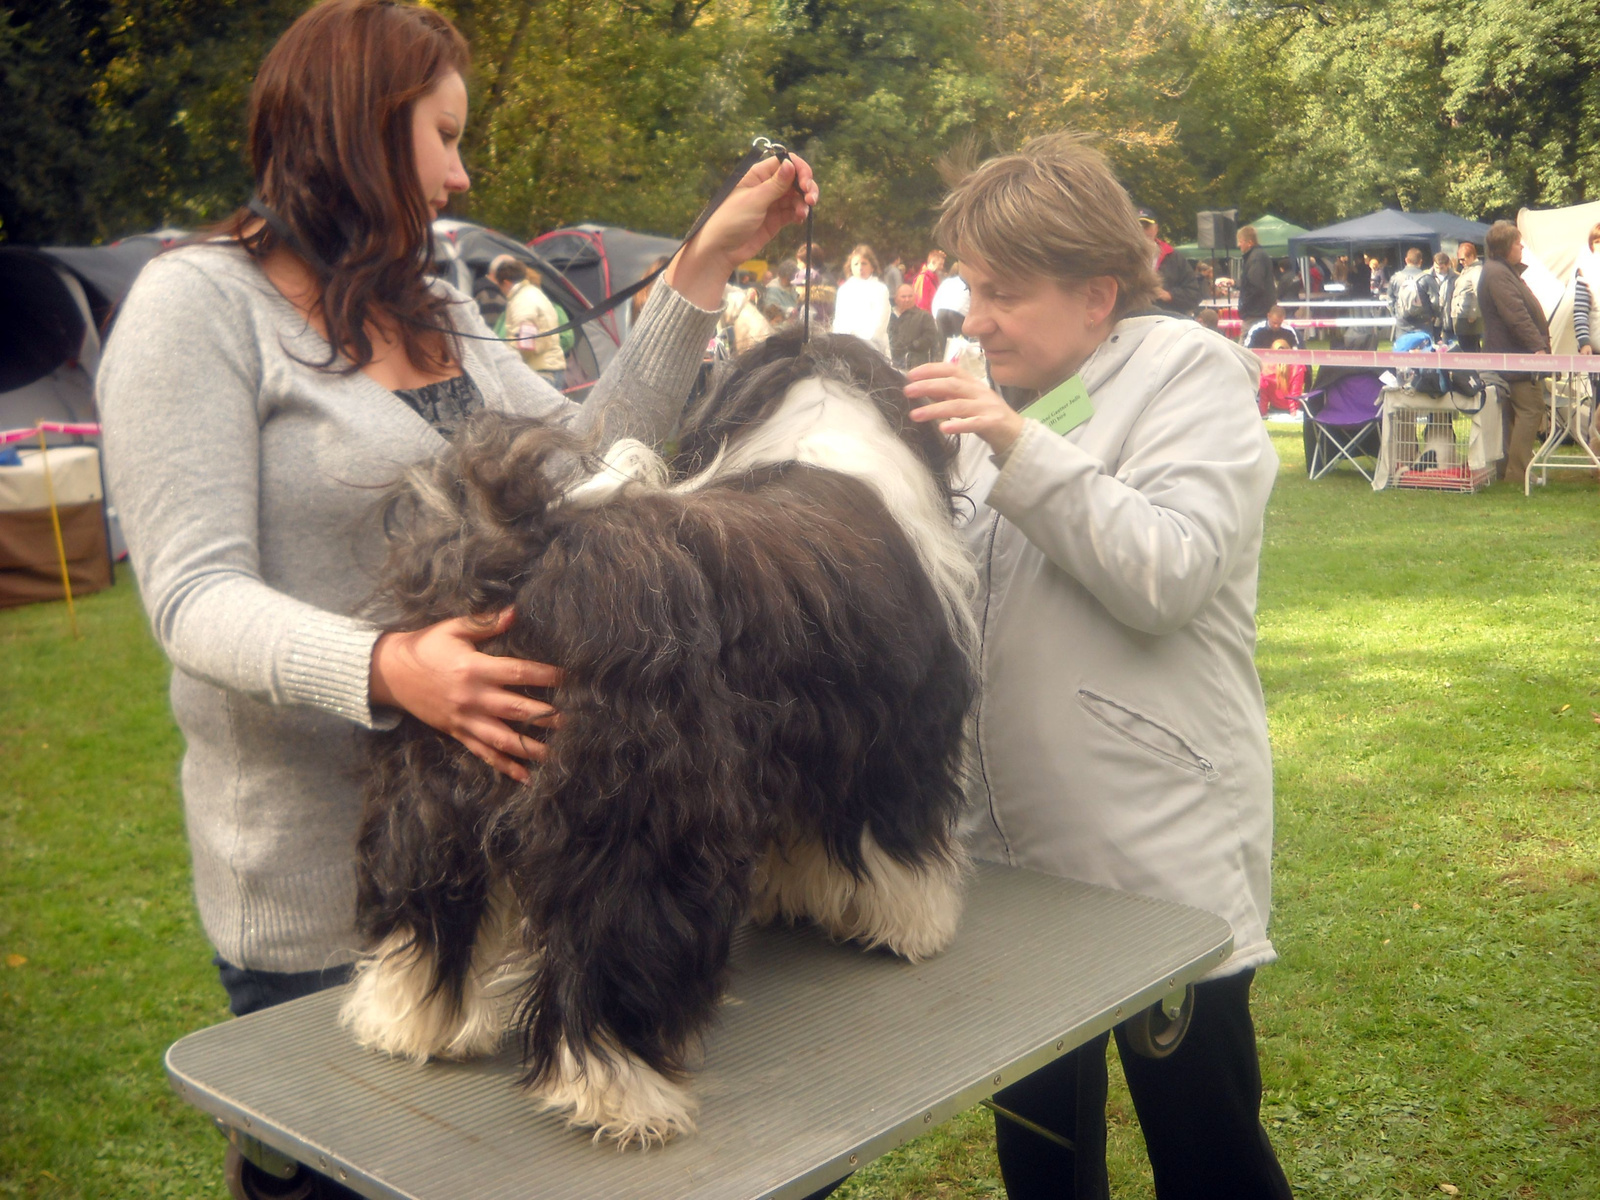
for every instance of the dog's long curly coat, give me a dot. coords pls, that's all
(768, 669)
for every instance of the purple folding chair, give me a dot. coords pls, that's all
(1343, 422)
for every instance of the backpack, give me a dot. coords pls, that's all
(1464, 309)
(567, 337)
(1431, 382)
(1413, 299)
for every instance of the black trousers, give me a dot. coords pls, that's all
(1199, 1109)
(250, 990)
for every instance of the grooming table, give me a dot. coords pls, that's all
(824, 1058)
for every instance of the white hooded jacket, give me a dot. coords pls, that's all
(1122, 734)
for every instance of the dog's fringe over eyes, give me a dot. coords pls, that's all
(768, 668)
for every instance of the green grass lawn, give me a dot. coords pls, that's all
(1432, 668)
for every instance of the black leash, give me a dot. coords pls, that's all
(759, 149)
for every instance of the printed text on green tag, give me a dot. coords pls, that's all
(1064, 408)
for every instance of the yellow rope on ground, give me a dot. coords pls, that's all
(55, 524)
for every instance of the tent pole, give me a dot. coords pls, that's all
(55, 525)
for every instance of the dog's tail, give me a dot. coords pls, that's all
(633, 867)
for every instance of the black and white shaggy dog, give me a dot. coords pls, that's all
(768, 666)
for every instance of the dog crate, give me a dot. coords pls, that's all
(1432, 452)
(1439, 443)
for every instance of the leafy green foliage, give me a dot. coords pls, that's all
(50, 56)
(1473, 106)
(129, 113)
(623, 114)
(171, 108)
(874, 92)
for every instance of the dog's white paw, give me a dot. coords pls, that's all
(914, 912)
(619, 1097)
(389, 1007)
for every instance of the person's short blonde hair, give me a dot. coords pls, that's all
(1594, 236)
(1052, 209)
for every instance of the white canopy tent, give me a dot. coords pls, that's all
(1554, 242)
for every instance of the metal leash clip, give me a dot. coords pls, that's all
(768, 146)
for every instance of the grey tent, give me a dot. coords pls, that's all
(1392, 230)
(462, 253)
(601, 260)
(55, 304)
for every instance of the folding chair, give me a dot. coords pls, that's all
(1343, 422)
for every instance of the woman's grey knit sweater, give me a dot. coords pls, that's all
(248, 486)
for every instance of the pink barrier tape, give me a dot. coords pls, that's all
(1460, 360)
(1302, 324)
(17, 435)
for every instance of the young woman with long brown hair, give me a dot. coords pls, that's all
(262, 388)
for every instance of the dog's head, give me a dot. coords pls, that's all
(748, 391)
(466, 527)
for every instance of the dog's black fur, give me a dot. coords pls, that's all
(755, 664)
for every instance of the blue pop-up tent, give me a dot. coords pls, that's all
(1393, 230)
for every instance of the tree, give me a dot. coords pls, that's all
(873, 92)
(1118, 70)
(171, 108)
(1475, 106)
(51, 54)
(127, 114)
(621, 113)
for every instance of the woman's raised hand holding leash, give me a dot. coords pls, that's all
(438, 674)
(774, 193)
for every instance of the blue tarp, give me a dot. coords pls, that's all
(1390, 228)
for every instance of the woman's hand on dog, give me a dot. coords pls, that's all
(773, 193)
(962, 404)
(439, 676)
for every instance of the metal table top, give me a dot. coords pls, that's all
(824, 1058)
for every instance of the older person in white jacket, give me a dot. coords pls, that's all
(1121, 733)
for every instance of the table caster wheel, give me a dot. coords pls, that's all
(246, 1181)
(1156, 1031)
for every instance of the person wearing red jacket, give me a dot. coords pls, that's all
(928, 279)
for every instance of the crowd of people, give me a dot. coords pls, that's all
(911, 316)
(917, 315)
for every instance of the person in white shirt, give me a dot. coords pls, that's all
(952, 302)
(861, 307)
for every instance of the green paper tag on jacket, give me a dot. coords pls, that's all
(1062, 409)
